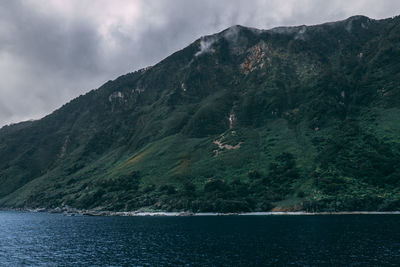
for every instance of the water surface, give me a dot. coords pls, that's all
(331, 240)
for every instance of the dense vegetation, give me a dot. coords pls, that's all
(300, 118)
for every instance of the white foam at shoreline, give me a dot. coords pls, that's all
(172, 214)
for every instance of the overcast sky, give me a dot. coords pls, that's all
(51, 51)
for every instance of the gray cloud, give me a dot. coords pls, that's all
(51, 51)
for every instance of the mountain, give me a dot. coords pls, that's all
(292, 118)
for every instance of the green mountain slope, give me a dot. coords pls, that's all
(293, 118)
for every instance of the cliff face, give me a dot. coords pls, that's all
(303, 117)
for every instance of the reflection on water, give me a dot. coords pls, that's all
(53, 239)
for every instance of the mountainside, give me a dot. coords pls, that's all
(292, 118)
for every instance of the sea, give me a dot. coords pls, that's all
(45, 239)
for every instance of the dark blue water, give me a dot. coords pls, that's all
(53, 239)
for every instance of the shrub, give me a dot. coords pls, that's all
(168, 189)
(216, 185)
(189, 188)
(254, 174)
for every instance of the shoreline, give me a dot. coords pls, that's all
(67, 211)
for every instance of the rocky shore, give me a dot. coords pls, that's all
(69, 211)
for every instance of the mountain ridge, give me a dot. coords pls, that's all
(274, 29)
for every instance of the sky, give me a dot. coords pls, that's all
(52, 51)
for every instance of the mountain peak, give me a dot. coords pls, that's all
(357, 17)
